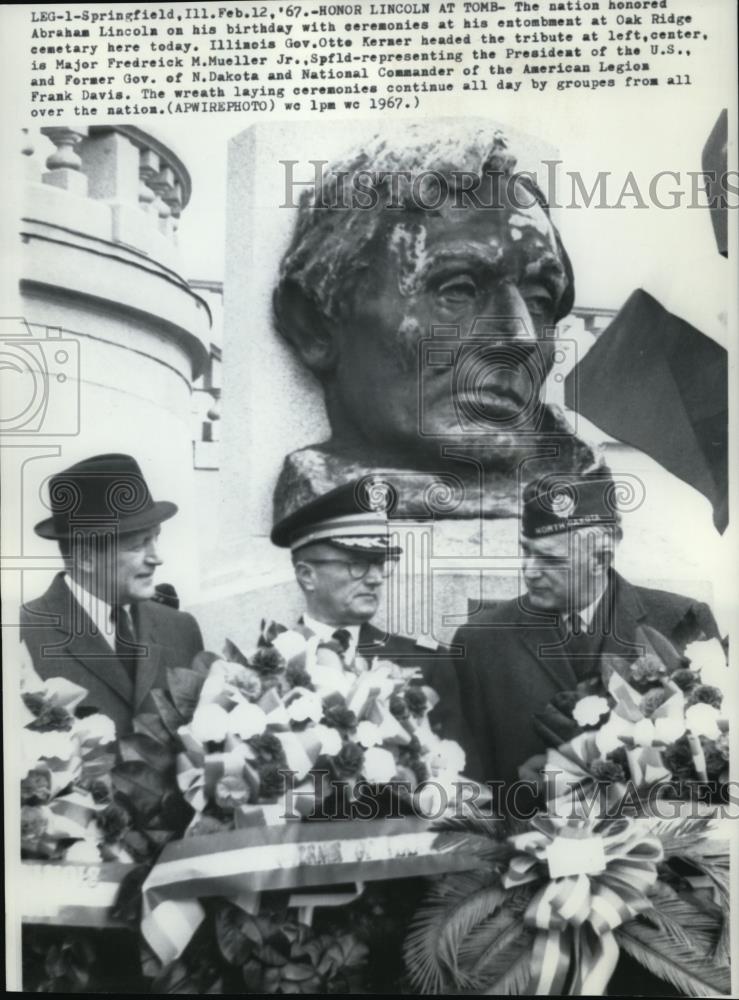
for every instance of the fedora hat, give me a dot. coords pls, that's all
(102, 492)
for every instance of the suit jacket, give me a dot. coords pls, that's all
(511, 660)
(63, 642)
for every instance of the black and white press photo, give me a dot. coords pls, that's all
(369, 498)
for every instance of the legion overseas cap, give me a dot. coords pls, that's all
(558, 503)
(353, 517)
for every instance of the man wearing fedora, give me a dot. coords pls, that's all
(342, 552)
(514, 656)
(97, 624)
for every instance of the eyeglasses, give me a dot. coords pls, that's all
(359, 568)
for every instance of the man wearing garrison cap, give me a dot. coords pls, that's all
(518, 654)
(99, 624)
(342, 552)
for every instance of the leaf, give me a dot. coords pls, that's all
(139, 747)
(505, 967)
(253, 975)
(679, 836)
(150, 724)
(232, 652)
(175, 978)
(297, 972)
(170, 717)
(202, 662)
(127, 905)
(343, 953)
(237, 934)
(688, 926)
(443, 920)
(695, 975)
(142, 786)
(184, 687)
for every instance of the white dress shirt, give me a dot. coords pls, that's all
(585, 614)
(326, 632)
(98, 609)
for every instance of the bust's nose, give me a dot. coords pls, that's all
(504, 316)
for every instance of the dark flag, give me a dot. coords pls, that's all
(714, 162)
(653, 381)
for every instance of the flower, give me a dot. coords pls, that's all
(349, 760)
(705, 694)
(336, 713)
(83, 852)
(447, 755)
(651, 701)
(609, 737)
(416, 700)
(231, 792)
(38, 746)
(289, 644)
(306, 707)
(34, 824)
(113, 821)
(271, 781)
(589, 710)
(667, 730)
(606, 770)
(684, 678)
(268, 749)
(297, 676)
(368, 734)
(95, 728)
(47, 716)
(330, 739)
(398, 707)
(379, 766)
(268, 660)
(702, 720)
(648, 669)
(709, 657)
(244, 721)
(210, 723)
(36, 787)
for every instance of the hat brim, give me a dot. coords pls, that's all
(374, 552)
(160, 511)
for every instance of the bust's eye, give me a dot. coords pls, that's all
(460, 289)
(538, 300)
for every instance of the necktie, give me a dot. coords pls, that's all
(580, 647)
(125, 639)
(343, 639)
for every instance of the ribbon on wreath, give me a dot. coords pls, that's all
(569, 781)
(594, 876)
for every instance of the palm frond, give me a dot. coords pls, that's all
(506, 969)
(681, 835)
(690, 928)
(484, 953)
(452, 908)
(694, 974)
(487, 826)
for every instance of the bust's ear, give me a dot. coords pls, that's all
(302, 325)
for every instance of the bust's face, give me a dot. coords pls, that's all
(484, 283)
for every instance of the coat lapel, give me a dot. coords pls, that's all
(536, 634)
(149, 660)
(80, 639)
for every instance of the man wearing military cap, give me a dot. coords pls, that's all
(97, 624)
(342, 551)
(518, 654)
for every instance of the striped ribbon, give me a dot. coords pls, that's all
(294, 856)
(595, 876)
